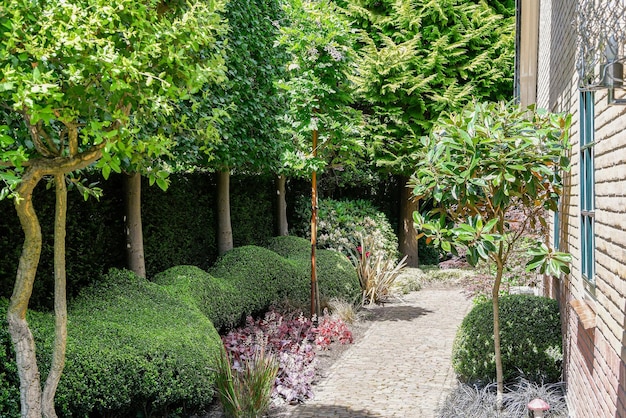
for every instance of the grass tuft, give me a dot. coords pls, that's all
(472, 401)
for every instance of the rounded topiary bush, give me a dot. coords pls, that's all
(134, 347)
(336, 275)
(531, 344)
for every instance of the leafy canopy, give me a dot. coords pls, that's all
(417, 59)
(74, 74)
(479, 165)
(320, 43)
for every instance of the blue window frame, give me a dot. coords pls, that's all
(556, 232)
(587, 189)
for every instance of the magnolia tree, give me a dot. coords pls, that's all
(478, 166)
(73, 76)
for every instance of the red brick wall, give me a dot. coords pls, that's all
(595, 374)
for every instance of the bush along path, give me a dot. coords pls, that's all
(401, 367)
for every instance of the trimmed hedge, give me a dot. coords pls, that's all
(336, 275)
(131, 347)
(531, 341)
(134, 345)
(248, 280)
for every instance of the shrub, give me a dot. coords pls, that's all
(335, 273)
(530, 329)
(342, 223)
(133, 347)
(248, 280)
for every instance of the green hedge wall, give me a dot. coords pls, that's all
(531, 340)
(179, 228)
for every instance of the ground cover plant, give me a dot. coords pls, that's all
(477, 401)
(293, 340)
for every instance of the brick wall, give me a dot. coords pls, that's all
(595, 358)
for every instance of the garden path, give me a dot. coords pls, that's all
(401, 367)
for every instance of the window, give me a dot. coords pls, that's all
(557, 228)
(587, 189)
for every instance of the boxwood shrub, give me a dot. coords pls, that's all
(248, 280)
(531, 341)
(336, 275)
(132, 347)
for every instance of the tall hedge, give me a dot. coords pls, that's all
(179, 228)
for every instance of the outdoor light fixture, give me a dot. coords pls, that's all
(601, 38)
(613, 71)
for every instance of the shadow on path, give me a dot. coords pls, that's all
(399, 313)
(323, 411)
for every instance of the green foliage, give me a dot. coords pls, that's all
(335, 274)
(248, 280)
(531, 340)
(246, 393)
(95, 241)
(249, 136)
(178, 226)
(481, 164)
(133, 347)
(418, 59)
(343, 223)
(317, 87)
(74, 84)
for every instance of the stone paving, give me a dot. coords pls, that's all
(400, 368)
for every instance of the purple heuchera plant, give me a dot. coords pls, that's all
(293, 339)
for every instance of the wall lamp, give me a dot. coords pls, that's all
(613, 72)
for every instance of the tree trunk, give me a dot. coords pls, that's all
(224, 227)
(134, 230)
(407, 234)
(60, 299)
(495, 294)
(282, 227)
(22, 338)
(315, 295)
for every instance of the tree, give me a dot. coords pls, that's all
(72, 76)
(320, 43)
(249, 137)
(418, 59)
(478, 166)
